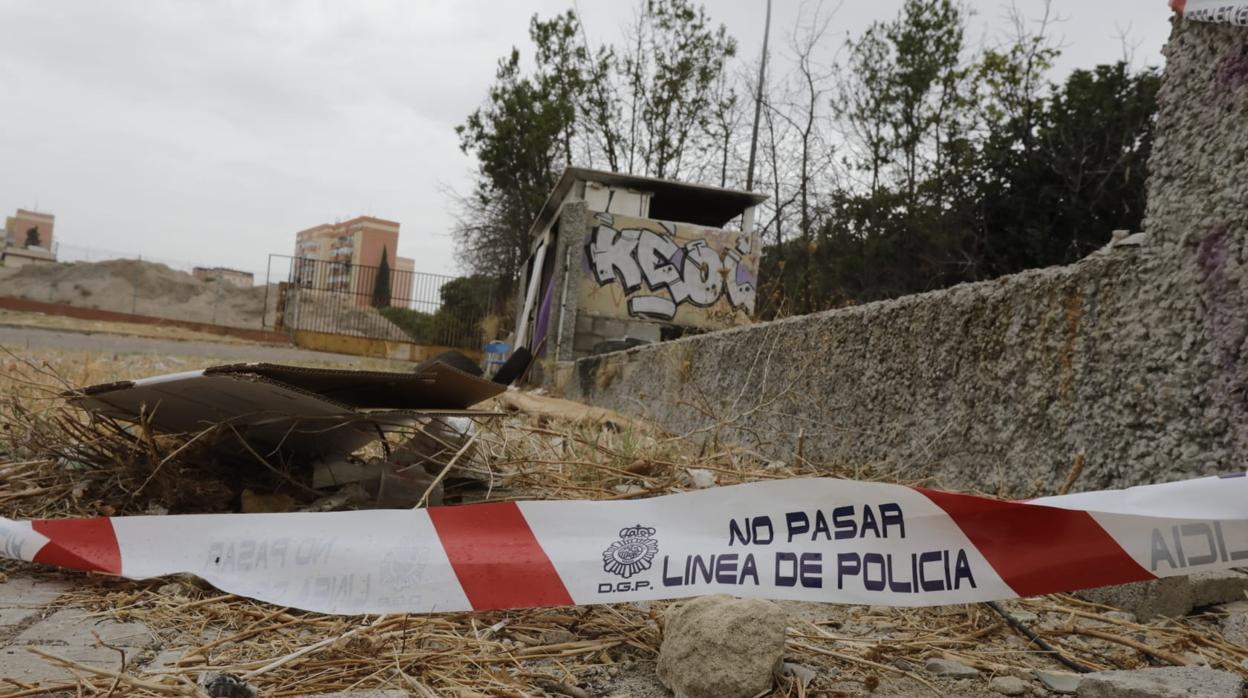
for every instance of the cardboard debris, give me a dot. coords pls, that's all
(303, 412)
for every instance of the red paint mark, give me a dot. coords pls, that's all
(1037, 549)
(497, 559)
(80, 544)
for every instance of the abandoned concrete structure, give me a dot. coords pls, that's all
(617, 257)
(1134, 357)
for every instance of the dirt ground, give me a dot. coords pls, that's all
(12, 318)
(93, 346)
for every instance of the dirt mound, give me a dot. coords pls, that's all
(134, 286)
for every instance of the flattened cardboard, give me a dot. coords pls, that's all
(298, 411)
(438, 386)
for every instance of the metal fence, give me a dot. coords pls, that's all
(402, 305)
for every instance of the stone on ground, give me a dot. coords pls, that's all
(1172, 597)
(722, 647)
(1008, 685)
(950, 668)
(1235, 624)
(1061, 682)
(1164, 682)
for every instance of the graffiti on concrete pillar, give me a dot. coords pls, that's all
(678, 273)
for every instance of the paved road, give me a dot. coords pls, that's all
(35, 338)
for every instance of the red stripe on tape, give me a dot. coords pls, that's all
(497, 559)
(81, 544)
(1038, 549)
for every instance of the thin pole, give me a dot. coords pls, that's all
(758, 101)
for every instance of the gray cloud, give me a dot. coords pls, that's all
(211, 131)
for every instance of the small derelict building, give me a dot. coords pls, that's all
(617, 260)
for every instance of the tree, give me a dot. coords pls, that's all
(1080, 173)
(518, 138)
(32, 238)
(671, 63)
(381, 283)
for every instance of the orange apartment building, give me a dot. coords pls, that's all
(344, 257)
(27, 239)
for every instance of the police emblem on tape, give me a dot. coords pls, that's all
(632, 554)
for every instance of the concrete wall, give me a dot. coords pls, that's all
(1134, 356)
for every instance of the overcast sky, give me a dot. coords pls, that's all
(210, 131)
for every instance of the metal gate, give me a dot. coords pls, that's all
(390, 304)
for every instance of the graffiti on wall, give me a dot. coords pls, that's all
(674, 272)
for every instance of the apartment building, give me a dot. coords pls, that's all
(27, 239)
(345, 257)
(29, 229)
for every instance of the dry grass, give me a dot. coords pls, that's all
(593, 650)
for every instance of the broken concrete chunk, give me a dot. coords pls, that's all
(1223, 586)
(1235, 624)
(700, 478)
(722, 647)
(1008, 685)
(1172, 597)
(1163, 682)
(950, 668)
(803, 674)
(1062, 682)
(1169, 597)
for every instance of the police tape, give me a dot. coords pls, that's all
(803, 539)
(1220, 11)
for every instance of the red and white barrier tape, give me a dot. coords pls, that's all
(1221, 11)
(810, 539)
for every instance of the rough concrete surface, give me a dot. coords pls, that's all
(722, 647)
(1166, 682)
(1235, 625)
(1172, 597)
(1133, 356)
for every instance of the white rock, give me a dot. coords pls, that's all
(1008, 685)
(722, 647)
(803, 674)
(700, 478)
